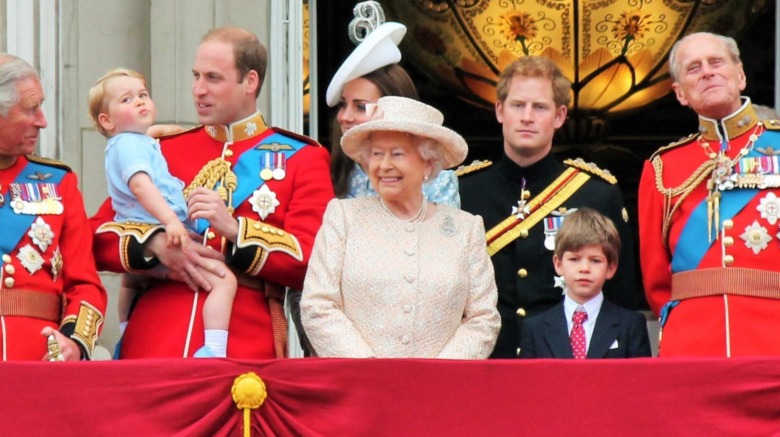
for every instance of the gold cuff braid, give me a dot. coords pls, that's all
(272, 239)
(88, 324)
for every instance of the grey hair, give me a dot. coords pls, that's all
(729, 42)
(12, 70)
(429, 149)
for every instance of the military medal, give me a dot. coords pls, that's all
(280, 165)
(264, 201)
(41, 234)
(36, 199)
(756, 237)
(522, 210)
(56, 264)
(769, 207)
(551, 226)
(30, 258)
(267, 173)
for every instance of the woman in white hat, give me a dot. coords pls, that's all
(397, 275)
(370, 72)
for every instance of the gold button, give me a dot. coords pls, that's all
(9, 282)
(728, 260)
(524, 233)
(728, 224)
(265, 229)
(521, 312)
(211, 235)
(6, 258)
(522, 273)
(256, 225)
(280, 232)
(728, 241)
(228, 153)
(10, 269)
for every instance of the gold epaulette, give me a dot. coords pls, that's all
(48, 161)
(173, 133)
(592, 169)
(475, 165)
(681, 142)
(771, 124)
(297, 136)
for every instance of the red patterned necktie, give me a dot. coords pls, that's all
(577, 337)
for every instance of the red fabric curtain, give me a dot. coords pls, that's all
(329, 397)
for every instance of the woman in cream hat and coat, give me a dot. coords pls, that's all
(396, 275)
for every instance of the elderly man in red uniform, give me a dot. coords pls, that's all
(49, 287)
(263, 191)
(709, 214)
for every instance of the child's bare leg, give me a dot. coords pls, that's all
(129, 288)
(219, 302)
(217, 310)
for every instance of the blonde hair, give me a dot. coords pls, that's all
(584, 227)
(96, 102)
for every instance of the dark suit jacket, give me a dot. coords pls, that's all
(546, 335)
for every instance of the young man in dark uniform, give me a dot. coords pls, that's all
(525, 198)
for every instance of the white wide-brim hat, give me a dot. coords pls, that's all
(401, 114)
(378, 49)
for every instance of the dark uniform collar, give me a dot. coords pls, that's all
(539, 170)
(238, 131)
(730, 126)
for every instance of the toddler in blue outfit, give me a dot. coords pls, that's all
(143, 191)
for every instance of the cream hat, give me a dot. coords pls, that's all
(401, 114)
(378, 49)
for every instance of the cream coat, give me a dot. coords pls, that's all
(380, 287)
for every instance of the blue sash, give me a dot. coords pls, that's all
(15, 226)
(250, 163)
(693, 244)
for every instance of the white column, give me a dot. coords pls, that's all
(48, 54)
(35, 41)
(286, 65)
(777, 55)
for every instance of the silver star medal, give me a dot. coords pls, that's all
(264, 201)
(30, 258)
(756, 237)
(41, 234)
(559, 283)
(521, 210)
(769, 208)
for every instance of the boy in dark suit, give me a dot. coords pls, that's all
(585, 325)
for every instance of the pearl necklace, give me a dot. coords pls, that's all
(417, 218)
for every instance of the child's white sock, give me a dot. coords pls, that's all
(216, 340)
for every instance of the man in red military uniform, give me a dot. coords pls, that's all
(263, 191)
(709, 214)
(49, 287)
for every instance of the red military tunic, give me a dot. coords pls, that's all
(47, 277)
(714, 250)
(278, 220)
